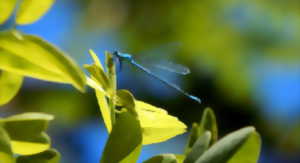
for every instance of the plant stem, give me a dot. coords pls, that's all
(111, 69)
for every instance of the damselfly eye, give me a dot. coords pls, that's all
(125, 56)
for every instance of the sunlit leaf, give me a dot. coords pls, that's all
(96, 59)
(29, 116)
(180, 158)
(27, 132)
(199, 147)
(125, 140)
(163, 158)
(157, 124)
(97, 72)
(6, 9)
(6, 155)
(31, 10)
(48, 156)
(104, 108)
(98, 75)
(10, 84)
(249, 152)
(227, 147)
(31, 56)
(93, 84)
(99, 81)
(126, 100)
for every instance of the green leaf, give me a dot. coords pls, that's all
(6, 9)
(6, 154)
(98, 75)
(10, 84)
(32, 10)
(200, 146)
(126, 100)
(125, 140)
(48, 156)
(209, 123)
(97, 72)
(249, 152)
(157, 124)
(193, 136)
(105, 110)
(96, 59)
(163, 158)
(180, 158)
(27, 132)
(31, 56)
(227, 147)
(100, 82)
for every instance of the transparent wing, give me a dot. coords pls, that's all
(172, 67)
(159, 59)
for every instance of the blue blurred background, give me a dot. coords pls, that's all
(244, 58)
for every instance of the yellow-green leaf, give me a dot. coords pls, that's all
(31, 56)
(99, 81)
(180, 158)
(126, 100)
(6, 154)
(199, 147)
(98, 75)
(31, 10)
(125, 140)
(48, 156)
(10, 84)
(28, 148)
(226, 148)
(27, 132)
(193, 136)
(249, 152)
(209, 123)
(157, 124)
(96, 59)
(6, 9)
(105, 111)
(163, 158)
(30, 116)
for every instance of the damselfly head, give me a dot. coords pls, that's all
(122, 56)
(116, 53)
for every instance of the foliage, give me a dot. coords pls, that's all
(131, 123)
(240, 146)
(24, 134)
(10, 85)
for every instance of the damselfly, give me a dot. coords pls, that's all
(176, 68)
